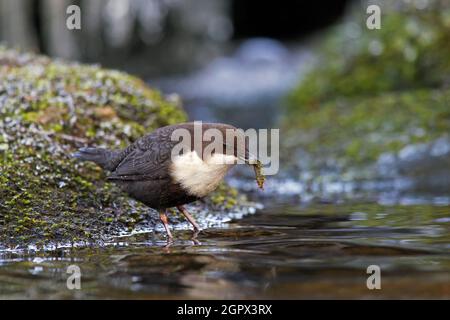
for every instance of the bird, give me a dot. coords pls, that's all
(148, 171)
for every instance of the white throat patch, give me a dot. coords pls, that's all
(200, 177)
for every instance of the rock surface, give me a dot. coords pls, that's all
(48, 109)
(376, 95)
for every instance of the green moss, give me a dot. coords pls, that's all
(48, 109)
(374, 91)
(410, 51)
(357, 131)
(224, 197)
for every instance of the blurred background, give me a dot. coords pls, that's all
(154, 37)
(213, 53)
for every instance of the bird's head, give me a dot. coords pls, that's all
(244, 148)
(224, 142)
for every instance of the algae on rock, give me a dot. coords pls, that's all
(50, 108)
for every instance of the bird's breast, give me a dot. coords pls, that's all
(197, 176)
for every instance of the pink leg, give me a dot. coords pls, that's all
(163, 218)
(189, 218)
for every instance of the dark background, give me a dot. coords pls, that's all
(158, 37)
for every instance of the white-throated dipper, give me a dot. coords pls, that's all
(150, 172)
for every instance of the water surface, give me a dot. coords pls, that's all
(283, 251)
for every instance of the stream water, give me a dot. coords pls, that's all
(321, 250)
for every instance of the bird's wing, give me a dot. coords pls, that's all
(147, 159)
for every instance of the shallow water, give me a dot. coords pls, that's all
(283, 251)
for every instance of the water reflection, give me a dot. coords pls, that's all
(318, 251)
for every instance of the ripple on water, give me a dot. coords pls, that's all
(319, 250)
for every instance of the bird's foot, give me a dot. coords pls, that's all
(195, 234)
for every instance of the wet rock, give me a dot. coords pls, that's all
(50, 108)
(375, 106)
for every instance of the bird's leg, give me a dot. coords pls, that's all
(163, 218)
(189, 218)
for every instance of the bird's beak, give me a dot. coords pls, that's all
(248, 158)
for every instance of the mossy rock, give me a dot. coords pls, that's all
(409, 51)
(373, 91)
(50, 108)
(350, 134)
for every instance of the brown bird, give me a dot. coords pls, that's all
(149, 173)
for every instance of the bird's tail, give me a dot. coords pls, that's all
(103, 157)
